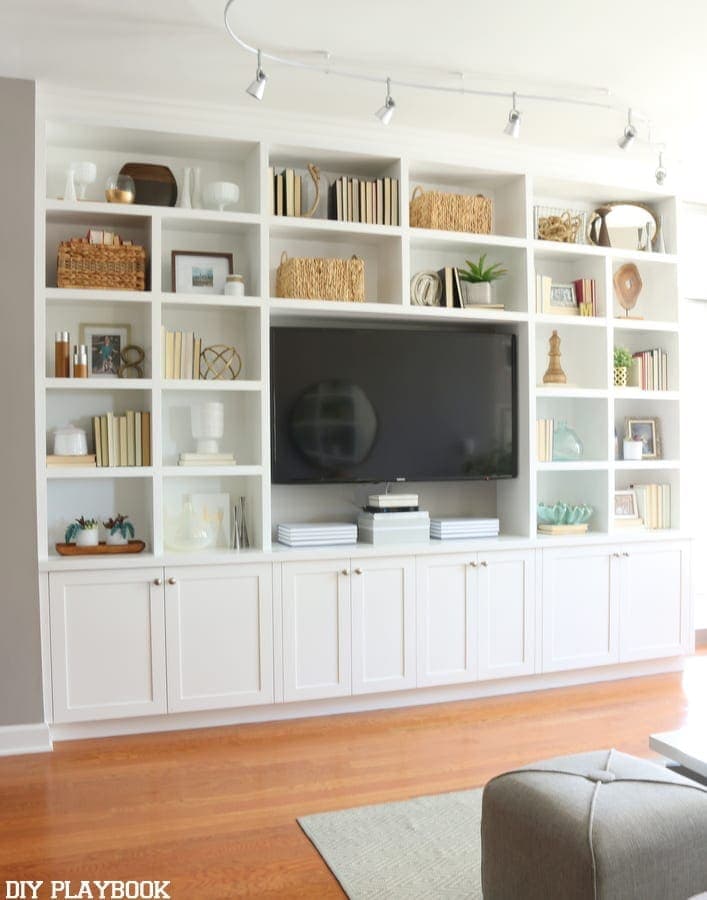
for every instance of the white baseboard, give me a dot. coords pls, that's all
(360, 703)
(16, 739)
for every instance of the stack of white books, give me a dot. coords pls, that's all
(463, 529)
(207, 459)
(317, 534)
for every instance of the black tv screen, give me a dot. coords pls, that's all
(373, 405)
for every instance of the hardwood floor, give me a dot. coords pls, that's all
(214, 811)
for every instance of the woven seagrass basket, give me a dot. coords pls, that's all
(309, 278)
(450, 212)
(83, 265)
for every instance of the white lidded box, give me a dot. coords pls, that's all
(394, 528)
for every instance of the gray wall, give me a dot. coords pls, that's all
(20, 660)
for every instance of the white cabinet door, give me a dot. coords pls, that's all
(316, 629)
(107, 644)
(219, 636)
(654, 600)
(580, 607)
(506, 587)
(447, 619)
(383, 624)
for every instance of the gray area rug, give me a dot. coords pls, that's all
(424, 848)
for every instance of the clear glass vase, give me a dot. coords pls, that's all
(567, 445)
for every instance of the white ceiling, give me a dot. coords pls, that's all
(650, 53)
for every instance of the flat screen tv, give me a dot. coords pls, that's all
(376, 405)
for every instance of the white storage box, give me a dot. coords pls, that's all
(394, 528)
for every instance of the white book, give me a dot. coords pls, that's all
(138, 439)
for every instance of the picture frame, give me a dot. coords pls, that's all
(625, 504)
(200, 271)
(646, 430)
(105, 344)
(562, 300)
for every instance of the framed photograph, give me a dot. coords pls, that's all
(197, 272)
(647, 432)
(562, 300)
(625, 505)
(104, 343)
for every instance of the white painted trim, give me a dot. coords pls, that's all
(17, 739)
(353, 704)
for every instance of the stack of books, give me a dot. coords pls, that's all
(586, 290)
(181, 352)
(285, 193)
(122, 440)
(543, 288)
(399, 527)
(463, 529)
(317, 534)
(207, 459)
(372, 202)
(89, 459)
(545, 439)
(651, 369)
(653, 502)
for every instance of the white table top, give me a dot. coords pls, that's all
(687, 747)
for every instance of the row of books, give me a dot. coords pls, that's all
(181, 352)
(122, 440)
(577, 297)
(285, 193)
(653, 507)
(545, 439)
(106, 238)
(372, 202)
(651, 369)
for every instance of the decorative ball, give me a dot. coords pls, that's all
(220, 363)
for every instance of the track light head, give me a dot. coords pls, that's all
(629, 135)
(661, 173)
(256, 88)
(387, 111)
(512, 128)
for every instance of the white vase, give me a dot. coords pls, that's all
(116, 539)
(70, 187)
(633, 450)
(87, 537)
(207, 425)
(185, 190)
(196, 202)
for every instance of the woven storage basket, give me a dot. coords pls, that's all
(308, 278)
(83, 265)
(450, 212)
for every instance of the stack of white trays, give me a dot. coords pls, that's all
(463, 529)
(317, 534)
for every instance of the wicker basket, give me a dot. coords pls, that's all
(308, 278)
(84, 265)
(450, 212)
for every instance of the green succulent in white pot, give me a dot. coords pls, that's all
(119, 529)
(83, 532)
(480, 277)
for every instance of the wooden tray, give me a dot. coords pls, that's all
(154, 185)
(564, 529)
(101, 549)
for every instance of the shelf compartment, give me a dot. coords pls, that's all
(583, 358)
(636, 340)
(588, 417)
(242, 426)
(625, 478)
(220, 159)
(511, 290)
(506, 190)
(67, 315)
(578, 487)
(240, 239)
(666, 410)
(567, 267)
(68, 498)
(658, 300)
(382, 256)
(179, 487)
(234, 326)
(67, 221)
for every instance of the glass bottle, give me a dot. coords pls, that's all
(567, 445)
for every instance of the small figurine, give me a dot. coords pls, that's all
(554, 373)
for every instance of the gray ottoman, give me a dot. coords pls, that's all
(600, 826)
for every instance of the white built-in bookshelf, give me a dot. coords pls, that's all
(589, 403)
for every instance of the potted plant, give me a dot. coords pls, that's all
(119, 529)
(479, 277)
(82, 532)
(622, 363)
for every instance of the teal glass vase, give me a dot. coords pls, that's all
(567, 445)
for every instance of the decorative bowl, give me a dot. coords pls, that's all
(564, 513)
(220, 194)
